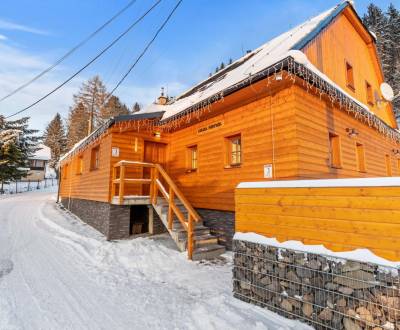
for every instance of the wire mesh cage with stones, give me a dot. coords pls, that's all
(326, 292)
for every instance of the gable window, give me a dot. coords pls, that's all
(65, 171)
(370, 96)
(79, 165)
(95, 158)
(350, 76)
(360, 157)
(335, 150)
(388, 164)
(192, 157)
(233, 145)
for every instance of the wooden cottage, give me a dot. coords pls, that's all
(305, 105)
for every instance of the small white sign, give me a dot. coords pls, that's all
(115, 152)
(268, 171)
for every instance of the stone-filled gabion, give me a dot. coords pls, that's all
(325, 292)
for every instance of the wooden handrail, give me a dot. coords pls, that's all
(178, 193)
(157, 176)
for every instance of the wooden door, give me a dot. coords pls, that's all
(154, 152)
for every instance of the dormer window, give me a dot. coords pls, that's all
(350, 76)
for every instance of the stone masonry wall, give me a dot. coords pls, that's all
(221, 224)
(110, 220)
(95, 214)
(325, 292)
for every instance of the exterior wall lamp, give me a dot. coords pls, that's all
(352, 132)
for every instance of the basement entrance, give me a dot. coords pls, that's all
(139, 220)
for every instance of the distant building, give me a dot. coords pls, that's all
(38, 165)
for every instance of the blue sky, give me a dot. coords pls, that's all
(201, 34)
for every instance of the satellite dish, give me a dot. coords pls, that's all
(387, 92)
(299, 56)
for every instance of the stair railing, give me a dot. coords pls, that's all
(158, 176)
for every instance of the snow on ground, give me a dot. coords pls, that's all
(19, 187)
(58, 273)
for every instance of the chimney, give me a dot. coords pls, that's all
(162, 99)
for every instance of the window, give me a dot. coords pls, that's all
(192, 157)
(234, 150)
(335, 152)
(368, 89)
(360, 157)
(350, 76)
(388, 163)
(65, 171)
(95, 158)
(79, 165)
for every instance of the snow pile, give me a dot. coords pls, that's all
(361, 255)
(324, 183)
(67, 276)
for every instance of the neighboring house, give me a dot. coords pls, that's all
(305, 105)
(38, 164)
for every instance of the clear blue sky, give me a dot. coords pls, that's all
(201, 35)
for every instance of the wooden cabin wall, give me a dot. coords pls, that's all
(342, 219)
(340, 43)
(91, 184)
(131, 146)
(212, 185)
(315, 119)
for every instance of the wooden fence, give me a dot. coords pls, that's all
(341, 214)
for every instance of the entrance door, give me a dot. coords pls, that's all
(154, 152)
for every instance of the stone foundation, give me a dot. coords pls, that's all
(221, 224)
(325, 292)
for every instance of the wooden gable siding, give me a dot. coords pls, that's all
(343, 42)
(212, 185)
(315, 119)
(91, 184)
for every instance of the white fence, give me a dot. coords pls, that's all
(24, 186)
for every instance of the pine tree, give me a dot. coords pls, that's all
(230, 61)
(113, 107)
(222, 66)
(136, 107)
(17, 144)
(55, 139)
(78, 123)
(92, 96)
(387, 29)
(393, 31)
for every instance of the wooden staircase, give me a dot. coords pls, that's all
(205, 244)
(176, 213)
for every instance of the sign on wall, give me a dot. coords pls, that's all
(268, 171)
(213, 126)
(115, 152)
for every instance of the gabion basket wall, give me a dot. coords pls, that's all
(325, 292)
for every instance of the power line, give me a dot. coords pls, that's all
(89, 63)
(145, 49)
(69, 53)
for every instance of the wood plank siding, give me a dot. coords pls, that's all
(341, 218)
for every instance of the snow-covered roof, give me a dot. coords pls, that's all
(252, 63)
(44, 153)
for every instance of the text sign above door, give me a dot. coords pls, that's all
(213, 126)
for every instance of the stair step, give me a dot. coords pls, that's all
(208, 239)
(208, 252)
